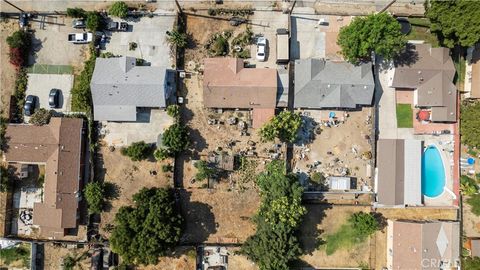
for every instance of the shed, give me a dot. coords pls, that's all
(222, 161)
(475, 247)
(339, 182)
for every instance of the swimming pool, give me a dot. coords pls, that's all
(433, 172)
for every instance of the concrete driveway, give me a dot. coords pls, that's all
(149, 34)
(40, 85)
(266, 23)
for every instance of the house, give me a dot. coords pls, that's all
(59, 146)
(429, 73)
(423, 245)
(228, 84)
(399, 172)
(322, 84)
(121, 89)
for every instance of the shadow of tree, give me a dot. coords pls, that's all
(309, 233)
(199, 219)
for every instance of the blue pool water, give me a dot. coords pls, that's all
(433, 172)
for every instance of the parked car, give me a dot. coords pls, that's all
(80, 38)
(261, 48)
(30, 105)
(118, 26)
(79, 23)
(53, 98)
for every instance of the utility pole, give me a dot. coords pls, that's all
(387, 6)
(179, 7)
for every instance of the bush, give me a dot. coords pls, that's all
(118, 9)
(3, 130)
(93, 21)
(167, 168)
(41, 117)
(219, 46)
(94, 194)
(17, 58)
(148, 229)
(76, 12)
(173, 111)
(470, 124)
(204, 170)
(364, 223)
(474, 202)
(284, 126)
(176, 138)
(81, 94)
(468, 185)
(19, 94)
(177, 38)
(19, 39)
(137, 151)
(5, 182)
(132, 46)
(161, 154)
(317, 178)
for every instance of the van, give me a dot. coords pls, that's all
(283, 44)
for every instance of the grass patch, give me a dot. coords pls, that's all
(423, 22)
(404, 116)
(472, 152)
(423, 33)
(345, 238)
(19, 253)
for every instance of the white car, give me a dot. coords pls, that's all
(261, 48)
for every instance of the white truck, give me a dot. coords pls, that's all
(80, 38)
(283, 40)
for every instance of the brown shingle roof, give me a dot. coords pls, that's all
(227, 84)
(430, 71)
(58, 146)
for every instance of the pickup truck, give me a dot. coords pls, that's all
(79, 38)
(118, 26)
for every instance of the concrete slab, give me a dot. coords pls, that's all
(385, 98)
(307, 40)
(40, 85)
(150, 36)
(123, 133)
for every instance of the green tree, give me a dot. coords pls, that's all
(137, 151)
(176, 138)
(474, 202)
(162, 154)
(364, 223)
(469, 263)
(274, 244)
(93, 21)
(455, 22)
(95, 194)
(41, 117)
(379, 33)
(19, 39)
(284, 126)
(148, 229)
(5, 183)
(468, 185)
(76, 12)
(70, 261)
(204, 170)
(470, 124)
(173, 111)
(119, 9)
(177, 38)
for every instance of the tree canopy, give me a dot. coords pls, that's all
(94, 194)
(41, 117)
(470, 124)
(364, 223)
(283, 126)
(137, 151)
(119, 9)
(379, 33)
(204, 170)
(455, 22)
(148, 229)
(176, 138)
(274, 244)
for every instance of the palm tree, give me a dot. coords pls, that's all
(177, 38)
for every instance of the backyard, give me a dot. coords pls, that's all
(421, 31)
(404, 116)
(17, 257)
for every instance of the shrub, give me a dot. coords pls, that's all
(284, 126)
(81, 94)
(41, 117)
(5, 182)
(470, 124)
(364, 223)
(76, 12)
(317, 178)
(219, 46)
(162, 154)
(19, 94)
(173, 111)
(176, 138)
(204, 170)
(119, 9)
(93, 21)
(137, 151)
(474, 202)
(468, 185)
(177, 38)
(132, 46)
(167, 168)
(94, 194)
(3, 130)
(16, 57)
(19, 39)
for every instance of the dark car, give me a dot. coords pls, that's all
(79, 23)
(118, 26)
(30, 105)
(53, 98)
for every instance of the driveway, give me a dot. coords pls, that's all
(150, 36)
(126, 133)
(40, 85)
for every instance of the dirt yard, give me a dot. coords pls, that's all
(419, 213)
(183, 258)
(7, 73)
(471, 222)
(127, 177)
(54, 254)
(239, 262)
(322, 220)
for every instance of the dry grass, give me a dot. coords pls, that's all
(7, 75)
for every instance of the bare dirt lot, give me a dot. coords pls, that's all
(7, 73)
(322, 220)
(128, 177)
(183, 258)
(471, 222)
(54, 254)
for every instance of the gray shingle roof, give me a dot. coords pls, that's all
(325, 84)
(119, 86)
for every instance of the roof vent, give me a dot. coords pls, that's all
(364, 87)
(328, 85)
(419, 72)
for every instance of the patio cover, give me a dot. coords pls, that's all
(413, 172)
